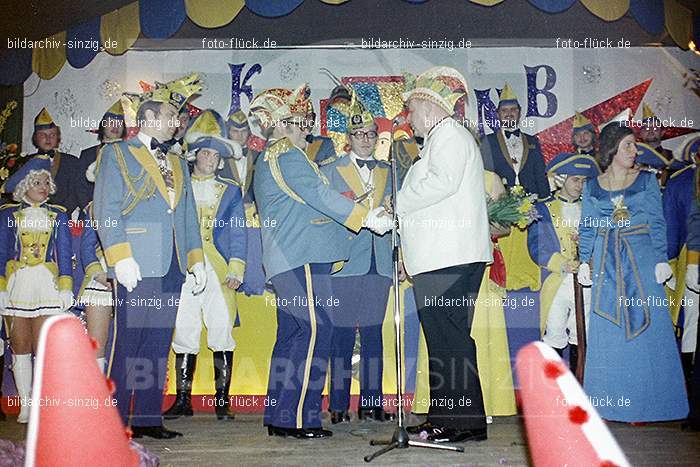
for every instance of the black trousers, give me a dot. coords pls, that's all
(445, 300)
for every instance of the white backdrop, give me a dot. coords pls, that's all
(584, 77)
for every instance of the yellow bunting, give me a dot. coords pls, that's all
(679, 22)
(47, 61)
(213, 13)
(120, 28)
(608, 10)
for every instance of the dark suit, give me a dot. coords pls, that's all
(72, 188)
(230, 171)
(532, 169)
(87, 157)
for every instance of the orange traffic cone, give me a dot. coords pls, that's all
(562, 426)
(73, 421)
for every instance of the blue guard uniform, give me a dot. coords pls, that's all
(678, 199)
(552, 242)
(368, 270)
(145, 209)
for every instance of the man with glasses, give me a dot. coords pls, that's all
(304, 226)
(359, 177)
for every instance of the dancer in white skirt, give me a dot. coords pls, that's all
(35, 265)
(96, 291)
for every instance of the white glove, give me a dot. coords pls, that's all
(128, 273)
(671, 283)
(237, 149)
(584, 275)
(663, 272)
(691, 278)
(200, 278)
(66, 297)
(4, 300)
(378, 221)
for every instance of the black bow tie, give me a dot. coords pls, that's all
(515, 132)
(155, 144)
(50, 153)
(370, 163)
(172, 141)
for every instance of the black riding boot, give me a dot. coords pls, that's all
(223, 362)
(184, 370)
(573, 357)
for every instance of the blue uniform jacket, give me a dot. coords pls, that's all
(678, 198)
(532, 169)
(57, 250)
(303, 220)
(133, 213)
(345, 179)
(228, 225)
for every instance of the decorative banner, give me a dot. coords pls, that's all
(551, 84)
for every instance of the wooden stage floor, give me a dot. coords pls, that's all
(243, 441)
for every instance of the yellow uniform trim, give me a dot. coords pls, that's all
(65, 283)
(118, 252)
(3, 284)
(556, 262)
(357, 215)
(193, 257)
(312, 344)
(693, 257)
(93, 269)
(236, 268)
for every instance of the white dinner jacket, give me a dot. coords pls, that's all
(442, 204)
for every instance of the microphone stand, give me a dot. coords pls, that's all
(400, 439)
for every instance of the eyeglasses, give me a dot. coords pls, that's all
(364, 134)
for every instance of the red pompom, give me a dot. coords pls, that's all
(578, 415)
(553, 369)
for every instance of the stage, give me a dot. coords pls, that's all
(244, 441)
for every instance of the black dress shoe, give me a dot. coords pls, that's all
(298, 433)
(317, 433)
(453, 435)
(339, 416)
(375, 413)
(690, 426)
(157, 432)
(425, 426)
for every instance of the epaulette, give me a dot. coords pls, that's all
(9, 205)
(57, 206)
(330, 160)
(230, 181)
(680, 171)
(278, 147)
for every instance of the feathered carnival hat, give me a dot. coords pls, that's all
(175, 92)
(272, 106)
(209, 131)
(441, 85)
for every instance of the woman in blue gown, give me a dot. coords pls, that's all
(633, 370)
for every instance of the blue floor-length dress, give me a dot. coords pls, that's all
(633, 370)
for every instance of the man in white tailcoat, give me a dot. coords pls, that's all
(445, 243)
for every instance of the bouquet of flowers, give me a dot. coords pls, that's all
(515, 208)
